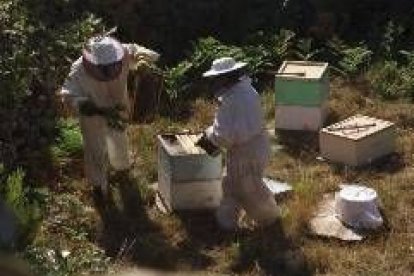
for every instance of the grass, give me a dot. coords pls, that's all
(132, 232)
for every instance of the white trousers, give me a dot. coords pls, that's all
(243, 187)
(103, 146)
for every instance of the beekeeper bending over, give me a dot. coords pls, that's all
(97, 88)
(238, 127)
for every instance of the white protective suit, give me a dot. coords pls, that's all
(102, 144)
(238, 127)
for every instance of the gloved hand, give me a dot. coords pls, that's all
(113, 117)
(207, 145)
(88, 108)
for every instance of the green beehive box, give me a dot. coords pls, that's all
(302, 83)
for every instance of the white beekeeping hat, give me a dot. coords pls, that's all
(103, 51)
(223, 66)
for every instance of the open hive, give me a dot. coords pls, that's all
(188, 178)
(358, 140)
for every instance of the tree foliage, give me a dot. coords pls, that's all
(39, 42)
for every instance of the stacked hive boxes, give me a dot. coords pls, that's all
(188, 178)
(302, 91)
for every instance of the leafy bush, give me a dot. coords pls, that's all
(305, 49)
(30, 75)
(69, 141)
(184, 81)
(277, 47)
(172, 26)
(25, 203)
(355, 60)
(15, 67)
(392, 81)
(349, 61)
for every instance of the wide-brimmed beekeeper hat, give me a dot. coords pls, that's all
(224, 65)
(103, 51)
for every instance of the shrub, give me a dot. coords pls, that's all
(276, 48)
(69, 141)
(355, 60)
(305, 49)
(184, 83)
(172, 26)
(392, 81)
(25, 203)
(30, 75)
(349, 61)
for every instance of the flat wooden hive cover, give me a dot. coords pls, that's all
(357, 127)
(304, 69)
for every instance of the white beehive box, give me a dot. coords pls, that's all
(358, 140)
(290, 117)
(188, 178)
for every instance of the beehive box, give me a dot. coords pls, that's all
(188, 178)
(302, 83)
(357, 141)
(290, 117)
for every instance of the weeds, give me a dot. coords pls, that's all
(305, 50)
(56, 262)
(25, 203)
(392, 81)
(69, 141)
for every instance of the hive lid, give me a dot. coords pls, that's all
(357, 127)
(305, 70)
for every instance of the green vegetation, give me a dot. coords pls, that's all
(25, 203)
(69, 140)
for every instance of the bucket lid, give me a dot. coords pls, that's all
(356, 193)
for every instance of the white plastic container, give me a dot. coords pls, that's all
(357, 206)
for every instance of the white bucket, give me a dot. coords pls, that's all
(357, 207)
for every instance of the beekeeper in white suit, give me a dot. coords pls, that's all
(238, 127)
(97, 88)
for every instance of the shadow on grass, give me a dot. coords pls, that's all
(271, 252)
(202, 229)
(266, 250)
(389, 164)
(129, 234)
(299, 144)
